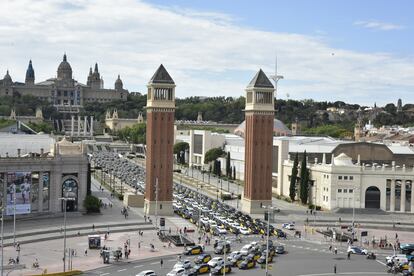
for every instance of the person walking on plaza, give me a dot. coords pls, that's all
(334, 268)
(349, 255)
(335, 250)
(161, 262)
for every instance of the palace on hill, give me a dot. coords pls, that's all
(67, 94)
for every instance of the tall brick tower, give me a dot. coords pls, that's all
(160, 140)
(259, 114)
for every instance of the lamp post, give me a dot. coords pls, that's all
(268, 208)
(156, 203)
(14, 215)
(65, 199)
(2, 241)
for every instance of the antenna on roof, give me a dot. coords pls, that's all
(276, 77)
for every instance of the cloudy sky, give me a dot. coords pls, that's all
(355, 51)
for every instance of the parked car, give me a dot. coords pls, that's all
(219, 270)
(280, 249)
(357, 250)
(203, 258)
(194, 250)
(146, 273)
(215, 261)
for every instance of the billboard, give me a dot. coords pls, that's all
(18, 190)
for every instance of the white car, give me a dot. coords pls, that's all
(357, 250)
(290, 226)
(221, 231)
(245, 249)
(399, 258)
(177, 272)
(244, 231)
(215, 261)
(186, 264)
(146, 273)
(234, 254)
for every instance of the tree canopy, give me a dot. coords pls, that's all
(213, 154)
(135, 134)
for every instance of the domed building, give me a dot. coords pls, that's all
(279, 129)
(67, 94)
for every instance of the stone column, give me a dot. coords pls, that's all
(79, 125)
(40, 195)
(85, 126)
(392, 196)
(412, 196)
(91, 127)
(402, 198)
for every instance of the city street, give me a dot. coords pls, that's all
(302, 259)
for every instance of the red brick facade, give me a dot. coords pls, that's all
(258, 155)
(159, 162)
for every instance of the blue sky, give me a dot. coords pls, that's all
(354, 51)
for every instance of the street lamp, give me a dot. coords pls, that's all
(65, 199)
(268, 208)
(2, 240)
(199, 205)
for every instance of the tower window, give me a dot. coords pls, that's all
(249, 97)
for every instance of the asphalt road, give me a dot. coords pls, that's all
(302, 259)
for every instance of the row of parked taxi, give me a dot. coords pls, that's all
(216, 217)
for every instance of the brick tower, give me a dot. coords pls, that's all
(259, 114)
(160, 141)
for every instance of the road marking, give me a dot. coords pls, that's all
(172, 260)
(381, 263)
(154, 263)
(104, 274)
(346, 273)
(138, 266)
(122, 270)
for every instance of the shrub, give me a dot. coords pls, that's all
(92, 204)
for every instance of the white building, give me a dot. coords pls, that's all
(344, 184)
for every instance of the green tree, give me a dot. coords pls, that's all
(304, 180)
(179, 150)
(92, 204)
(135, 134)
(213, 154)
(293, 178)
(228, 166)
(234, 172)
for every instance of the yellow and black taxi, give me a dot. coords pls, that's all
(235, 260)
(248, 263)
(203, 258)
(254, 256)
(220, 269)
(194, 250)
(262, 259)
(199, 269)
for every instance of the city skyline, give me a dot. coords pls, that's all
(361, 56)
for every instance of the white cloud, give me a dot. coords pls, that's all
(377, 25)
(206, 53)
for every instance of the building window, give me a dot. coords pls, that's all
(345, 177)
(351, 178)
(339, 177)
(327, 176)
(323, 198)
(339, 190)
(345, 191)
(351, 191)
(65, 93)
(326, 198)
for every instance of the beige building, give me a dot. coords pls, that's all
(66, 93)
(37, 171)
(347, 184)
(114, 123)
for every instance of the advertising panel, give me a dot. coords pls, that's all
(18, 190)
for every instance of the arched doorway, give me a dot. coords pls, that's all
(70, 190)
(372, 198)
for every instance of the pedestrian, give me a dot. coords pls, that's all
(161, 262)
(334, 268)
(336, 251)
(86, 252)
(330, 248)
(17, 260)
(93, 227)
(349, 255)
